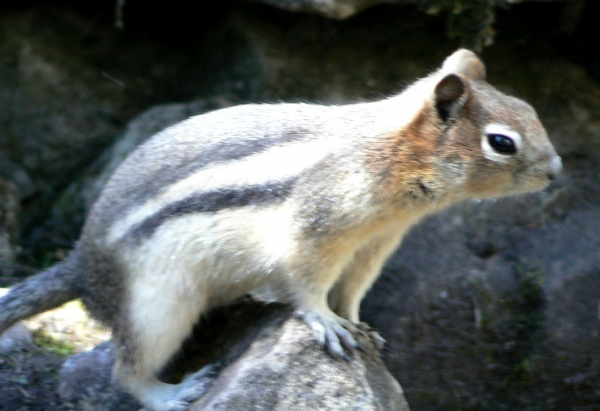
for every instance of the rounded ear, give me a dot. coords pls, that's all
(465, 62)
(450, 95)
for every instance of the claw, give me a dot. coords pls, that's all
(333, 345)
(193, 386)
(378, 341)
(208, 370)
(347, 339)
(319, 332)
(360, 348)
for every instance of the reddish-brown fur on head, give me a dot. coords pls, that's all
(442, 154)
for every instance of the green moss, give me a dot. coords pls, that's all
(513, 328)
(53, 345)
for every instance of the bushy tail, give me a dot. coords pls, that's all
(44, 291)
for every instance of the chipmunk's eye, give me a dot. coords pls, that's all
(502, 144)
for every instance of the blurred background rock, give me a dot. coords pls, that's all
(490, 305)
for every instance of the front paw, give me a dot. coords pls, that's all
(332, 332)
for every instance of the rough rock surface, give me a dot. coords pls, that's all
(268, 360)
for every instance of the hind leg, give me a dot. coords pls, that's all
(155, 328)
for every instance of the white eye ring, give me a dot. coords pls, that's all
(496, 129)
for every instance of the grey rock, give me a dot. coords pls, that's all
(86, 383)
(282, 368)
(16, 338)
(314, 59)
(341, 9)
(265, 360)
(9, 226)
(17, 175)
(336, 9)
(54, 104)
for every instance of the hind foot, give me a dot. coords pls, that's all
(160, 396)
(191, 388)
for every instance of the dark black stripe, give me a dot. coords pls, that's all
(166, 169)
(210, 202)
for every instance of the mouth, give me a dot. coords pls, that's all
(536, 183)
(541, 176)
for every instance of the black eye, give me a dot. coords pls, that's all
(502, 144)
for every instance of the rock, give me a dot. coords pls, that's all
(54, 103)
(336, 9)
(470, 22)
(9, 223)
(16, 174)
(341, 9)
(267, 360)
(277, 365)
(288, 58)
(58, 109)
(16, 338)
(86, 382)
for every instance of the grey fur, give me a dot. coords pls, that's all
(193, 153)
(49, 289)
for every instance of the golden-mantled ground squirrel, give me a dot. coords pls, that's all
(303, 203)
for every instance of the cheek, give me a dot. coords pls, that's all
(488, 184)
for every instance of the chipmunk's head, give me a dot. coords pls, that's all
(491, 144)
